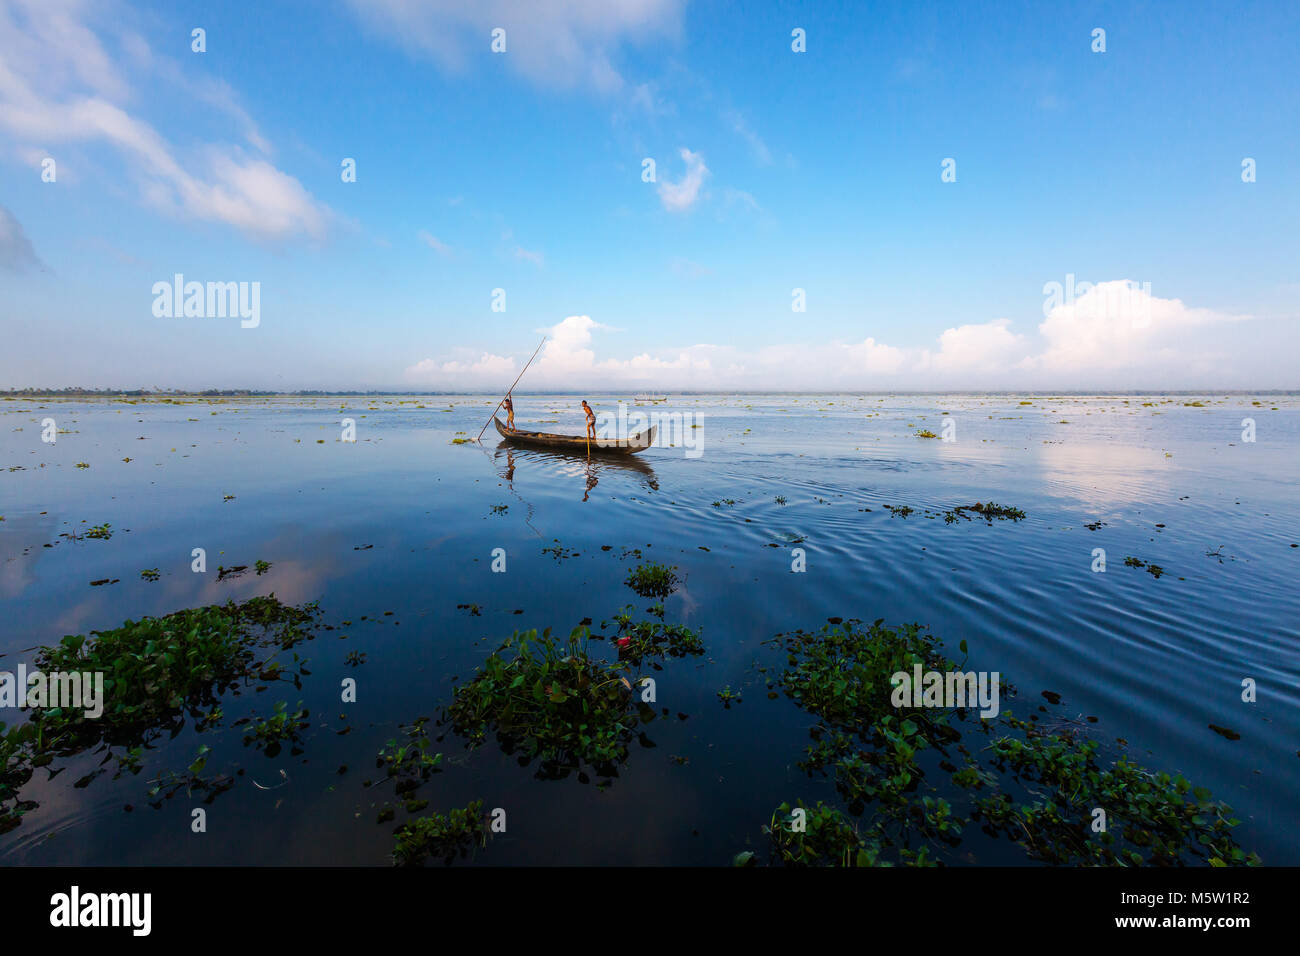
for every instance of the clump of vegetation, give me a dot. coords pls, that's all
(554, 702)
(559, 551)
(1154, 569)
(926, 433)
(441, 837)
(261, 566)
(101, 532)
(151, 574)
(780, 499)
(1151, 818)
(1037, 787)
(729, 502)
(817, 836)
(637, 640)
(156, 671)
(899, 511)
(728, 697)
(161, 666)
(170, 782)
(652, 580)
(989, 511)
(411, 763)
(269, 734)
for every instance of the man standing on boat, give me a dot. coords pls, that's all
(510, 412)
(591, 420)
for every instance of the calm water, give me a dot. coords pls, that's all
(402, 520)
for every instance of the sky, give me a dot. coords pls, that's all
(679, 194)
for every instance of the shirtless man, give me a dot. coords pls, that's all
(591, 420)
(510, 413)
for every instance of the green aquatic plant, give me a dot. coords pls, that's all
(1149, 818)
(817, 836)
(439, 836)
(652, 580)
(150, 574)
(155, 672)
(926, 433)
(551, 700)
(1039, 788)
(842, 671)
(989, 511)
(411, 763)
(729, 697)
(637, 640)
(100, 532)
(269, 734)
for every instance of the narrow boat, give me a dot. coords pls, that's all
(626, 446)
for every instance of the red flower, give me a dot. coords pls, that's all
(624, 642)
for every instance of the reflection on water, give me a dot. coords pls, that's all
(393, 535)
(589, 468)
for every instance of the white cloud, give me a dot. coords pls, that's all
(1118, 324)
(761, 153)
(487, 367)
(561, 45)
(59, 85)
(681, 195)
(1082, 345)
(434, 243)
(987, 347)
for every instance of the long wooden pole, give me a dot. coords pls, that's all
(512, 388)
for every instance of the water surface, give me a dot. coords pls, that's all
(404, 520)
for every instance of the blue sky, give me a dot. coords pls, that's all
(776, 170)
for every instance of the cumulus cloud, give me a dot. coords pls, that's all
(990, 346)
(59, 85)
(1117, 324)
(16, 252)
(561, 45)
(1134, 341)
(487, 368)
(681, 195)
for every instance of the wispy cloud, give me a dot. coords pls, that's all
(561, 45)
(681, 195)
(59, 85)
(434, 243)
(738, 125)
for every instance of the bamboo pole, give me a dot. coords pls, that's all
(511, 389)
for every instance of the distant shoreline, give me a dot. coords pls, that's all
(11, 394)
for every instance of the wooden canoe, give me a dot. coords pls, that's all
(626, 446)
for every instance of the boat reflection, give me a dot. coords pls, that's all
(591, 469)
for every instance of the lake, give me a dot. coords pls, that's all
(776, 512)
